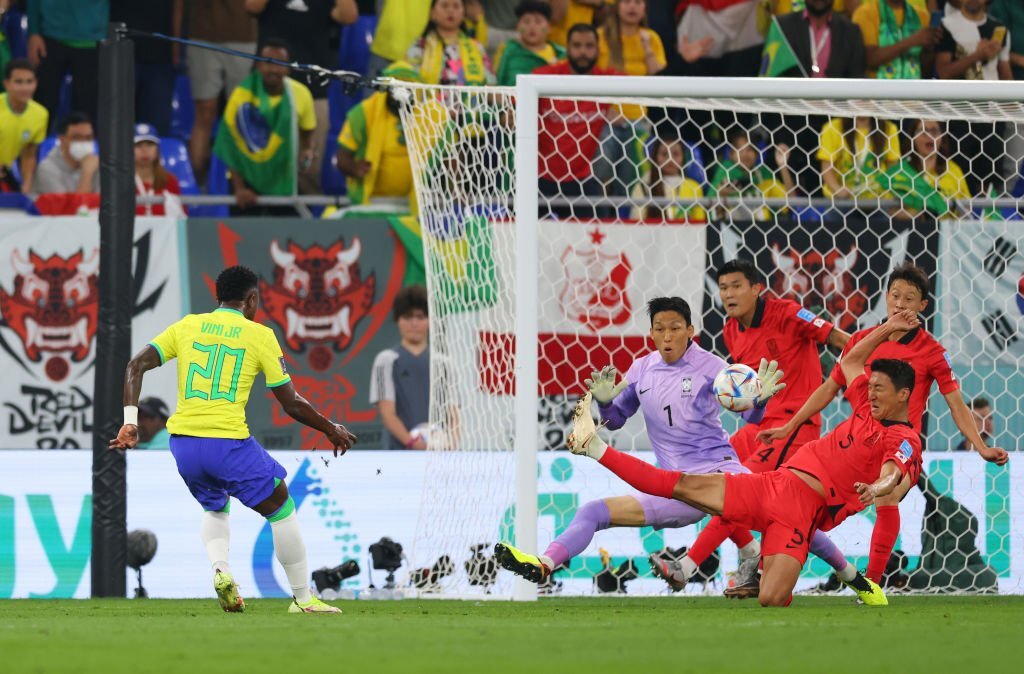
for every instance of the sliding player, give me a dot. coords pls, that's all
(781, 330)
(864, 458)
(219, 355)
(907, 291)
(673, 388)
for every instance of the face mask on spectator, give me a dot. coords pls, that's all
(80, 149)
(672, 183)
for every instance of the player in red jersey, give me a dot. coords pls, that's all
(759, 327)
(831, 478)
(907, 291)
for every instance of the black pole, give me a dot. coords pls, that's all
(114, 329)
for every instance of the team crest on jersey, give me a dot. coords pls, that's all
(594, 290)
(905, 452)
(687, 385)
(317, 294)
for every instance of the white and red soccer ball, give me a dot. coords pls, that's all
(737, 387)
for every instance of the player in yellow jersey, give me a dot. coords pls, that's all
(219, 355)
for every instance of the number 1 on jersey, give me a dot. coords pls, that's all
(668, 411)
(216, 354)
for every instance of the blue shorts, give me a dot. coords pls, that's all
(215, 468)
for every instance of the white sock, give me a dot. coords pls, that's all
(688, 566)
(848, 573)
(291, 552)
(751, 549)
(216, 533)
(547, 561)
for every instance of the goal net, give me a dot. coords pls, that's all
(551, 213)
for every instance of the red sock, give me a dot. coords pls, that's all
(640, 474)
(741, 536)
(883, 539)
(709, 539)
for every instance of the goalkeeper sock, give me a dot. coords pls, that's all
(883, 539)
(589, 519)
(823, 548)
(709, 539)
(639, 474)
(290, 550)
(849, 574)
(216, 534)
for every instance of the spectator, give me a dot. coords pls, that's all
(445, 53)
(372, 150)
(155, 60)
(826, 43)
(153, 415)
(151, 178)
(72, 166)
(853, 151)
(224, 23)
(567, 13)
(975, 47)
(981, 412)
(743, 174)
(570, 131)
(23, 124)
(925, 180)
(400, 382)
(1011, 13)
(898, 39)
(665, 178)
(401, 23)
(256, 136)
(532, 50)
(309, 28)
(627, 44)
(64, 36)
(783, 7)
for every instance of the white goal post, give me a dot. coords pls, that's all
(517, 252)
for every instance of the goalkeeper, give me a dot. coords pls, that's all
(673, 387)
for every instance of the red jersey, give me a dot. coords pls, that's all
(930, 362)
(855, 452)
(569, 131)
(783, 331)
(146, 189)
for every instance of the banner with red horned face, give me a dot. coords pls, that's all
(327, 289)
(48, 311)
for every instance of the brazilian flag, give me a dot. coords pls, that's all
(257, 137)
(778, 55)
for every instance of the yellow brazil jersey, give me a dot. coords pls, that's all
(17, 131)
(219, 355)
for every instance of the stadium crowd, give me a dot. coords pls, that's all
(192, 104)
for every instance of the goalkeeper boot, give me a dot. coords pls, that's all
(227, 593)
(314, 605)
(584, 439)
(669, 570)
(868, 591)
(520, 563)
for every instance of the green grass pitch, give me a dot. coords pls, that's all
(668, 634)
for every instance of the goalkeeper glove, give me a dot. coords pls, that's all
(770, 377)
(602, 384)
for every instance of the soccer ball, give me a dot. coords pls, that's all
(737, 387)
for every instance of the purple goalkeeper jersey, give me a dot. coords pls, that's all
(679, 408)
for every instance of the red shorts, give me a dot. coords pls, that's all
(778, 504)
(761, 458)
